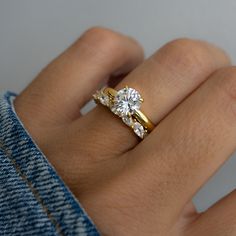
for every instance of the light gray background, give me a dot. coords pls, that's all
(34, 32)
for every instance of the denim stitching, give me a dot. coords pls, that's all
(8, 152)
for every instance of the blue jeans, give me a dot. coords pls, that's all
(33, 198)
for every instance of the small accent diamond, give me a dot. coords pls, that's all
(103, 98)
(96, 95)
(139, 130)
(128, 120)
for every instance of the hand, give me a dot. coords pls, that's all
(130, 187)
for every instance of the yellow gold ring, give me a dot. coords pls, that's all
(126, 104)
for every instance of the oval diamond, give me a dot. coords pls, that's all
(126, 101)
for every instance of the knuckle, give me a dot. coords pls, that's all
(227, 81)
(187, 54)
(227, 85)
(98, 32)
(100, 37)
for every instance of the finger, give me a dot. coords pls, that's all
(186, 217)
(61, 89)
(191, 143)
(189, 212)
(163, 80)
(219, 220)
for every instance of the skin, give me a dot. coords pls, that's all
(130, 187)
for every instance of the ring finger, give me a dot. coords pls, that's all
(163, 80)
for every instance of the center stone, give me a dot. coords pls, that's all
(126, 101)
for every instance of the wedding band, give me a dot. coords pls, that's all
(126, 104)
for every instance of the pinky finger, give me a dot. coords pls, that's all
(219, 220)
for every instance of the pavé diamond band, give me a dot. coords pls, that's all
(126, 104)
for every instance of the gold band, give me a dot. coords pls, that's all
(126, 104)
(138, 115)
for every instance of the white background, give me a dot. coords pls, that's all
(33, 32)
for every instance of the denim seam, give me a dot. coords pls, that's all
(34, 191)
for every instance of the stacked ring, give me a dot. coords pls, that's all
(126, 104)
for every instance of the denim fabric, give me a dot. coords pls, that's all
(33, 198)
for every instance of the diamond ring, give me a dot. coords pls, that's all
(126, 104)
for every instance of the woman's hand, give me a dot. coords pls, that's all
(130, 187)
